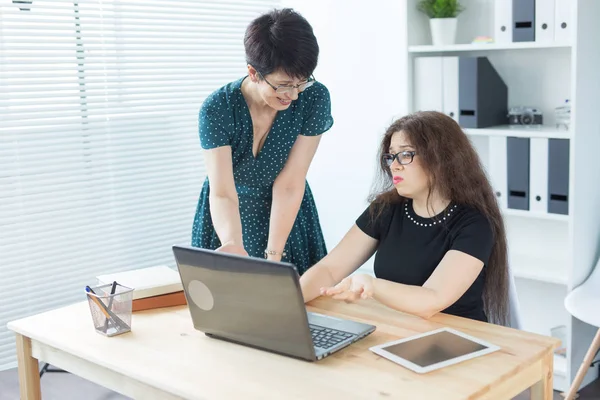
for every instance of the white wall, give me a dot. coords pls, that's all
(363, 63)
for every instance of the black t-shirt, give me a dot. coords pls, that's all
(411, 247)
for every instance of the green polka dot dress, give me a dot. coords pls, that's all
(224, 120)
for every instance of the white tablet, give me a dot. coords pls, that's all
(434, 350)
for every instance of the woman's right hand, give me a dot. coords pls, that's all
(233, 248)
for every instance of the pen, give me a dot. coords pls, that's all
(112, 292)
(104, 310)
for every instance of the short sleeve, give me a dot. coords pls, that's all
(214, 121)
(371, 221)
(317, 118)
(474, 237)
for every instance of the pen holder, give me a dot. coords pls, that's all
(111, 308)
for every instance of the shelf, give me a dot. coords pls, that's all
(536, 215)
(560, 365)
(550, 270)
(485, 47)
(545, 131)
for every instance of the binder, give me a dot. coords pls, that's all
(503, 21)
(517, 154)
(562, 20)
(428, 84)
(450, 86)
(497, 169)
(558, 176)
(538, 175)
(544, 21)
(482, 94)
(523, 25)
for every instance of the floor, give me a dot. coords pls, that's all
(57, 386)
(64, 386)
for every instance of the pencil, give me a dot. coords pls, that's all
(100, 305)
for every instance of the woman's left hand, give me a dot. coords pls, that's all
(352, 288)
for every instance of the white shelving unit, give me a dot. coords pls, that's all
(541, 269)
(508, 212)
(550, 254)
(483, 47)
(507, 130)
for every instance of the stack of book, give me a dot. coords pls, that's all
(154, 287)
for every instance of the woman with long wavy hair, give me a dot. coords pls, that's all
(434, 224)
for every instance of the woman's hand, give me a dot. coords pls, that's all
(352, 288)
(233, 248)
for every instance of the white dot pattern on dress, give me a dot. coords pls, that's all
(224, 120)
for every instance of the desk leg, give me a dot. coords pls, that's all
(29, 374)
(543, 389)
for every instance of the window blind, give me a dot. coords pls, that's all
(100, 162)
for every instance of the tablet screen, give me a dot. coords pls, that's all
(434, 348)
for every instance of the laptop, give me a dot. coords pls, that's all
(258, 303)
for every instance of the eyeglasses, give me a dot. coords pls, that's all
(281, 89)
(403, 157)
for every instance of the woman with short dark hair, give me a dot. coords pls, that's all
(259, 135)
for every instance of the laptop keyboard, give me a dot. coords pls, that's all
(325, 338)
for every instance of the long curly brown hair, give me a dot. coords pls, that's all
(455, 173)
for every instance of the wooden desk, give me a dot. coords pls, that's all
(164, 357)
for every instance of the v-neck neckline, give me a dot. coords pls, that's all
(268, 133)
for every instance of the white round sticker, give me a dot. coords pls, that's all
(201, 295)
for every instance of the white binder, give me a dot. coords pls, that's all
(428, 84)
(538, 175)
(544, 21)
(503, 21)
(450, 86)
(563, 20)
(497, 169)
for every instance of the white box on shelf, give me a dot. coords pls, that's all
(450, 86)
(428, 84)
(544, 21)
(436, 85)
(497, 169)
(538, 170)
(562, 21)
(503, 21)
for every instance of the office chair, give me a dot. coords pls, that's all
(583, 303)
(513, 300)
(514, 314)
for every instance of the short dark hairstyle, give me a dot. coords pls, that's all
(282, 40)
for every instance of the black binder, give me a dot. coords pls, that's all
(482, 94)
(558, 176)
(517, 173)
(523, 20)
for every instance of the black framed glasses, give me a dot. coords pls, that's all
(403, 157)
(284, 89)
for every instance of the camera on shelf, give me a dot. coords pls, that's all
(524, 116)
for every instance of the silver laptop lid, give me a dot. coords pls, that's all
(246, 300)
